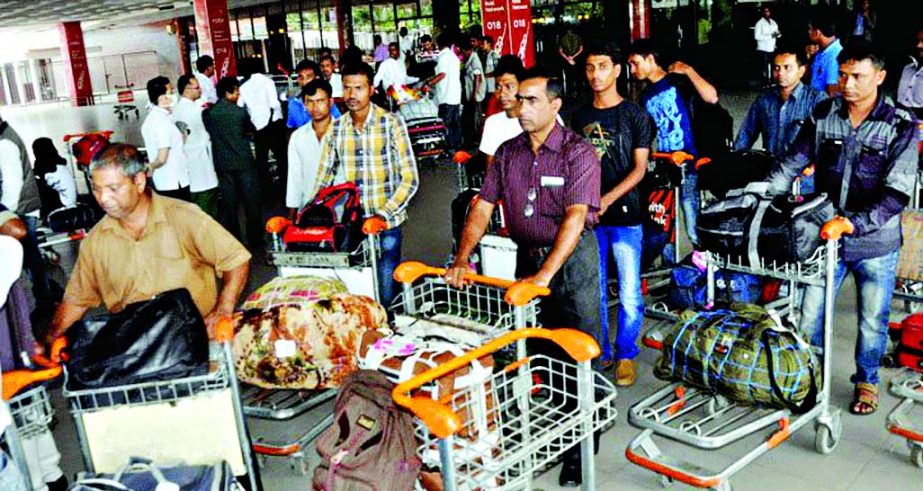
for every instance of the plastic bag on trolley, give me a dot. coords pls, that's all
(468, 391)
(308, 341)
(143, 475)
(743, 354)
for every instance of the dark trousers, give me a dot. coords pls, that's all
(236, 187)
(181, 193)
(32, 260)
(574, 302)
(472, 122)
(450, 114)
(272, 138)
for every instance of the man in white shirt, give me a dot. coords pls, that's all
(327, 66)
(765, 33)
(258, 95)
(392, 71)
(475, 90)
(406, 45)
(203, 182)
(164, 142)
(205, 70)
(304, 146)
(448, 90)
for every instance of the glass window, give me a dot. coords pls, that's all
(406, 11)
(384, 20)
(259, 28)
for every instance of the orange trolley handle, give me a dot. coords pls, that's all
(440, 418)
(518, 293)
(678, 158)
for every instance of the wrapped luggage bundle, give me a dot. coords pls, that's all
(302, 333)
(743, 354)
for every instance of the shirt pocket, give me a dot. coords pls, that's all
(872, 162)
(170, 266)
(828, 155)
(551, 198)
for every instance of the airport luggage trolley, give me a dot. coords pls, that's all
(358, 270)
(197, 419)
(485, 309)
(26, 411)
(707, 421)
(908, 385)
(498, 433)
(424, 126)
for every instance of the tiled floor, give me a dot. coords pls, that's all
(867, 458)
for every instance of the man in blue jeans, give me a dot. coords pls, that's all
(622, 134)
(865, 155)
(373, 148)
(669, 100)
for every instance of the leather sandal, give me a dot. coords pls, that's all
(865, 399)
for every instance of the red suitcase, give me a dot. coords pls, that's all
(910, 348)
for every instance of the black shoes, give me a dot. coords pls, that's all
(571, 473)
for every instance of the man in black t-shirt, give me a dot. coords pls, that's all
(622, 134)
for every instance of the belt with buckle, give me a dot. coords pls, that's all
(539, 252)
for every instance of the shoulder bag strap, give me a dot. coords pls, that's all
(810, 399)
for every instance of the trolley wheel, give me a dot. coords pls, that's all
(916, 455)
(666, 481)
(824, 440)
(889, 361)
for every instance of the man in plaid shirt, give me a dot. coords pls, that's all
(865, 156)
(374, 149)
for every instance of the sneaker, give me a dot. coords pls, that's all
(626, 372)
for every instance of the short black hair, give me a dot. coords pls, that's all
(226, 86)
(157, 87)
(182, 82)
(360, 68)
(313, 86)
(793, 49)
(510, 64)
(444, 40)
(324, 58)
(307, 65)
(203, 63)
(644, 48)
(554, 86)
(606, 48)
(858, 51)
(488, 39)
(394, 45)
(426, 38)
(823, 21)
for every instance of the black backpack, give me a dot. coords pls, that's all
(712, 128)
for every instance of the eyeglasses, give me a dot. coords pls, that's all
(530, 207)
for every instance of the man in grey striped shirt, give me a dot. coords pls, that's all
(865, 154)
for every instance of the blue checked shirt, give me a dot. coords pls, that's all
(378, 159)
(868, 172)
(777, 121)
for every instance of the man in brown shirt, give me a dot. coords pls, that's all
(147, 244)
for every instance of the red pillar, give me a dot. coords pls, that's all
(76, 68)
(214, 34)
(640, 15)
(343, 9)
(181, 28)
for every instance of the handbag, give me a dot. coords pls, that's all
(159, 339)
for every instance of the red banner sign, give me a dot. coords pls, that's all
(509, 22)
(213, 30)
(76, 67)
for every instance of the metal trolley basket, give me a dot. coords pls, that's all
(484, 310)
(496, 434)
(282, 405)
(908, 385)
(706, 421)
(198, 419)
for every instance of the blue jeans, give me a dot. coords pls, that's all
(626, 244)
(34, 263)
(875, 279)
(390, 243)
(689, 202)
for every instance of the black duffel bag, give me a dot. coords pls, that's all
(159, 339)
(749, 226)
(734, 170)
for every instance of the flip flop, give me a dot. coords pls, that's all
(865, 399)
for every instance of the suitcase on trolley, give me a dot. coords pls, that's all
(910, 346)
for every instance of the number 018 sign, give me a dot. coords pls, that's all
(509, 22)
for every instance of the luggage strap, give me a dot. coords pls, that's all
(754, 233)
(810, 399)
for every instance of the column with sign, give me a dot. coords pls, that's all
(76, 67)
(521, 36)
(213, 30)
(494, 19)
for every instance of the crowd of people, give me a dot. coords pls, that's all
(570, 191)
